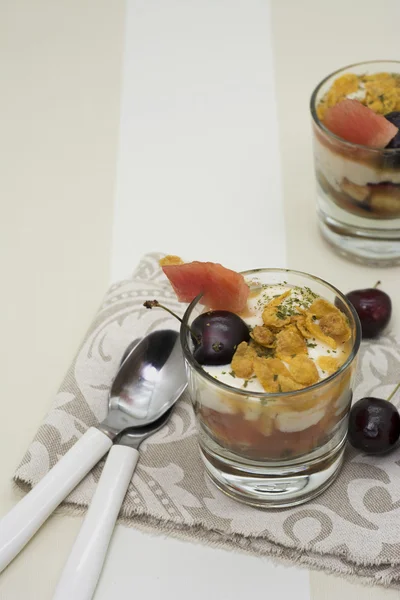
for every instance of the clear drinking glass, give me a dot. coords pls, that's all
(358, 188)
(247, 451)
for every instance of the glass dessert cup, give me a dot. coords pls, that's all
(280, 449)
(358, 188)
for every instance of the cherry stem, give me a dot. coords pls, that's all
(156, 304)
(376, 285)
(393, 393)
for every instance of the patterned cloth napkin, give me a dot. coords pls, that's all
(351, 529)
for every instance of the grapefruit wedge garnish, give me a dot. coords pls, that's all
(358, 124)
(222, 288)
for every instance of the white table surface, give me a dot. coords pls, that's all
(152, 126)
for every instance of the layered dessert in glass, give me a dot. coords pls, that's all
(356, 119)
(273, 421)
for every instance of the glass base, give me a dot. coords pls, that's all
(273, 486)
(365, 246)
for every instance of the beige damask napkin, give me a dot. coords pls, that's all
(351, 529)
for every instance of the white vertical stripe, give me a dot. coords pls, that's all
(198, 175)
(198, 169)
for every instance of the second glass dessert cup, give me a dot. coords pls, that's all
(358, 187)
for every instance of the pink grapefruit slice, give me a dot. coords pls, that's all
(356, 123)
(222, 288)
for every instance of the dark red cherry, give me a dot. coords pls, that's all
(374, 308)
(394, 117)
(216, 334)
(374, 425)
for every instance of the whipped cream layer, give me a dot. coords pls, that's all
(336, 167)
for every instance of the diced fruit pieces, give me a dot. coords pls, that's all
(359, 193)
(359, 124)
(385, 199)
(222, 288)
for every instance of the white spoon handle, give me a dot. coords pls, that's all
(85, 562)
(22, 522)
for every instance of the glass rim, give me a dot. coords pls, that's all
(319, 123)
(263, 395)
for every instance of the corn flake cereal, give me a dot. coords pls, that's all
(329, 364)
(321, 307)
(263, 336)
(317, 332)
(379, 91)
(266, 377)
(286, 384)
(300, 322)
(272, 316)
(382, 93)
(335, 326)
(278, 367)
(289, 342)
(303, 370)
(280, 375)
(376, 77)
(340, 89)
(243, 361)
(277, 353)
(170, 260)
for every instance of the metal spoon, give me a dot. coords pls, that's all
(85, 562)
(148, 383)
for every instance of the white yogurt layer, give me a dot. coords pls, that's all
(256, 305)
(336, 167)
(289, 422)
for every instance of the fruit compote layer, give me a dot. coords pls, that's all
(306, 391)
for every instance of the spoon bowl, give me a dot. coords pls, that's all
(149, 381)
